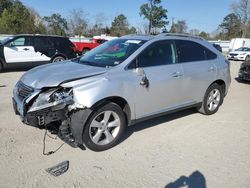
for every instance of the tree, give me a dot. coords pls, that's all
(132, 30)
(57, 24)
(179, 27)
(231, 26)
(155, 14)
(120, 26)
(5, 4)
(242, 10)
(39, 26)
(100, 26)
(78, 22)
(194, 32)
(204, 35)
(16, 19)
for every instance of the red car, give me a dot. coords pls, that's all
(86, 46)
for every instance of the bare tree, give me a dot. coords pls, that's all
(242, 10)
(78, 22)
(179, 27)
(194, 32)
(100, 23)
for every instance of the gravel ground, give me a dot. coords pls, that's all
(185, 147)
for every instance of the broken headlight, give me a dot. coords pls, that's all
(51, 98)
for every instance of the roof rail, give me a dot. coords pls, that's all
(179, 35)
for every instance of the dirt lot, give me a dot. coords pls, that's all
(152, 154)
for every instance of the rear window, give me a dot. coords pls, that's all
(189, 51)
(42, 42)
(63, 42)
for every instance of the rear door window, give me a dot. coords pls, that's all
(42, 42)
(188, 51)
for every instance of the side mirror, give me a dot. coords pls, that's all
(139, 71)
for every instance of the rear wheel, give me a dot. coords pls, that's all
(212, 100)
(104, 128)
(85, 50)
(58, 59)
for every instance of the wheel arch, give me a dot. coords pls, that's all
(121, 102)
(58, 55)
(222, 84)
(86, 48)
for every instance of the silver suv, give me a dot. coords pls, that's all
(91, 100)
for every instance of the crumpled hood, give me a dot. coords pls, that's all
(51, 75)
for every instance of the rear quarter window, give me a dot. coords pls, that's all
(189, 51)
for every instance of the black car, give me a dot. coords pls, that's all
(244, 72)
(33, 50)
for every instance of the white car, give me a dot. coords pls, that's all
(242, 54)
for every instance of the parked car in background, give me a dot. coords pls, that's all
(237, 43)
(33, 50)
(85, 46)
(242, 54)
(91, 101)
(244, 72)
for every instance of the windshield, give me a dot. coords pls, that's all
(5, 40)
(111, 53)
(244, 49)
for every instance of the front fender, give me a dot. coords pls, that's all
(88, 92)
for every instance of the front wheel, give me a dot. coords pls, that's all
(212, 100)
(247, 58)
(104, 128)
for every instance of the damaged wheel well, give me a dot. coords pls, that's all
(120, 102)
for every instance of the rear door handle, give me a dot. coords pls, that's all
(26, 49)
(177, 74)
(211, 69)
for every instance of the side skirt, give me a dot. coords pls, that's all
(164, 113)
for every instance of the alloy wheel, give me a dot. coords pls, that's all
(213, 99)
(104, 128)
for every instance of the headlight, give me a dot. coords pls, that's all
(52, 97)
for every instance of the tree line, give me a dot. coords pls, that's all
(16, 18)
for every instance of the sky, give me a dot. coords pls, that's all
(199, 14)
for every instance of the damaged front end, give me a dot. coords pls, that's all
(49, 108)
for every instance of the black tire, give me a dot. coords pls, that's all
(1, 66)
(90, 132)
(211, 108)
(58, 59)
(85, 50)
(247, 58)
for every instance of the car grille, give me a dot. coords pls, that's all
(245, 69)
(23, 90)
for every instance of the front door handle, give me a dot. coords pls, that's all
(26, 49)
(177, 74)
